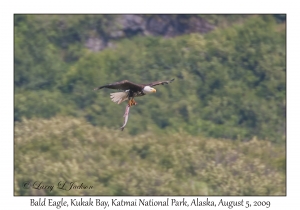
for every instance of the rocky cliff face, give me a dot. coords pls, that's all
(162, 25)
(124, 26)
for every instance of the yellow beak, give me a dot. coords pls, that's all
(154, 91)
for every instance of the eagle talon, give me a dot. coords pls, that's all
(132, 102)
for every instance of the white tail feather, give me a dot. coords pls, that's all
(119, 97)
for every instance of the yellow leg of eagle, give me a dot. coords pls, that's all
(132, 102)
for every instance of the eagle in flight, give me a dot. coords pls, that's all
(131, 90)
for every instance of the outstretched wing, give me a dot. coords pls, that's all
(159, 83)
(122, 85)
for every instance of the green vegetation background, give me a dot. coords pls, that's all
(196, 136)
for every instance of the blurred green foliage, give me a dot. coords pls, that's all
(196, 136)
(230, 83)
(117, 163)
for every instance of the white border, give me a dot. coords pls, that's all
(6, 75)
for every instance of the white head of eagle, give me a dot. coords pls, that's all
(148, 89)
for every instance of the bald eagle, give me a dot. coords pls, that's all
(131, 90)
